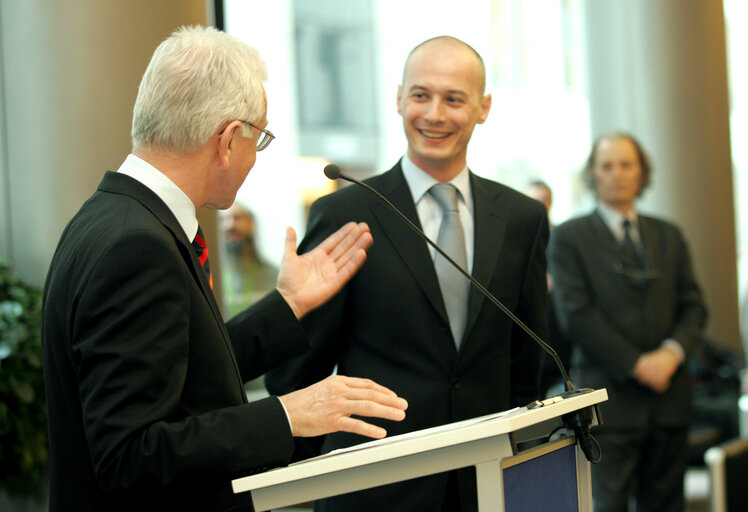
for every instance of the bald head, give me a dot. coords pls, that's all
(441, 100)
(440, 44)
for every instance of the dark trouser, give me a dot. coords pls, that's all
(648, 464)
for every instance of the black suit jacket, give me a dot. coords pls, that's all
(144, 380)
(612, 317)
(390, 324)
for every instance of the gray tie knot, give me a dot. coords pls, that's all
(446, 195)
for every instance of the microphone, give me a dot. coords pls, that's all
(333, 172)
(579, 421)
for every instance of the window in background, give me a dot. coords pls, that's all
(334, 69)
(539, 123)
(335, 81)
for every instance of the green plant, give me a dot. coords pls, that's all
(23, 414)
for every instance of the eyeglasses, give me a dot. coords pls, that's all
(266, 138)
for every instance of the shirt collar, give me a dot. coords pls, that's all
(614, 219)
(180, 205)
(419, 182)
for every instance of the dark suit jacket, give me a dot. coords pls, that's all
(390, 324)
(612, 318)
(146, 404)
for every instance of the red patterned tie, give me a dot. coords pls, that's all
(201, 248)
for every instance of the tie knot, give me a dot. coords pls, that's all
(446, 195)
(626, 225)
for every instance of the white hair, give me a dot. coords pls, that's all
(197, 79)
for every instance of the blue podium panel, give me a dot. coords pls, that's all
(546, 481)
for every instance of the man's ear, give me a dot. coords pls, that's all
(485, 108)
(400, 99)
(226, 142)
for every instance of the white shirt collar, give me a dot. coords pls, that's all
(419, 182)
(180, 205)
(614, 219)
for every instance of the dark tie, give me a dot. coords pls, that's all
(629, 249)
(453, 284)
(201, 249)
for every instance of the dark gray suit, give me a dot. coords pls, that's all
(612, 315)
(147, 409)
(389, 323)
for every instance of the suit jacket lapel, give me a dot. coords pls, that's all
(606, 243)
(411, 249)
(121, 184)
(651, 243)
(490, 227)
(603, 237)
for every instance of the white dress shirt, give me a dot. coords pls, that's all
(429, 212)
(175, 199)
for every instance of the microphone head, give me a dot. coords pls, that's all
(333, 172)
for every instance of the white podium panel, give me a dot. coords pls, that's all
(490, 443)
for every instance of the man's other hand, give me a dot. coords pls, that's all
(328, 405)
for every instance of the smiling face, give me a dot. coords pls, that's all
(441, 100)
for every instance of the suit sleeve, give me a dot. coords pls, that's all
(131, 350)
(691, 310)
(265, 335)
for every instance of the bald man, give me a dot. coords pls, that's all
(394, 321)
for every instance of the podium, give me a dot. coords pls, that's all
(510, 477)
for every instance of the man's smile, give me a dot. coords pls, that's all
(434, 135)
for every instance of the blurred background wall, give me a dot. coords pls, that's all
(560, 72)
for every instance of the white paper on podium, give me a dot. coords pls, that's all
(416, 434)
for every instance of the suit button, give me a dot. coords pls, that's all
(456, 384)
(443, 327)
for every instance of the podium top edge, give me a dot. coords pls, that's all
(411, 443)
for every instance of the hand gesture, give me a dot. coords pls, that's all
(309, 280)
(327, 407)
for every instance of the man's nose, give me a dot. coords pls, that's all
(435, 112)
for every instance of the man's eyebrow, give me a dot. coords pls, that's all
(460, 92)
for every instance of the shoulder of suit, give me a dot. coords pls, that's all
(658, 223)
(358, 195)
(666, 227)
(577, 223)
(503, 194)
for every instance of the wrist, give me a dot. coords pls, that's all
(288, 297)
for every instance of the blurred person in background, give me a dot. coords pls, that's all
(551, 378)
(247, 277)
(627, 299)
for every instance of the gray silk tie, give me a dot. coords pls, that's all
(454, 285)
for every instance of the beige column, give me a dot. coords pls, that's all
(70, 72)
(658, 70)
